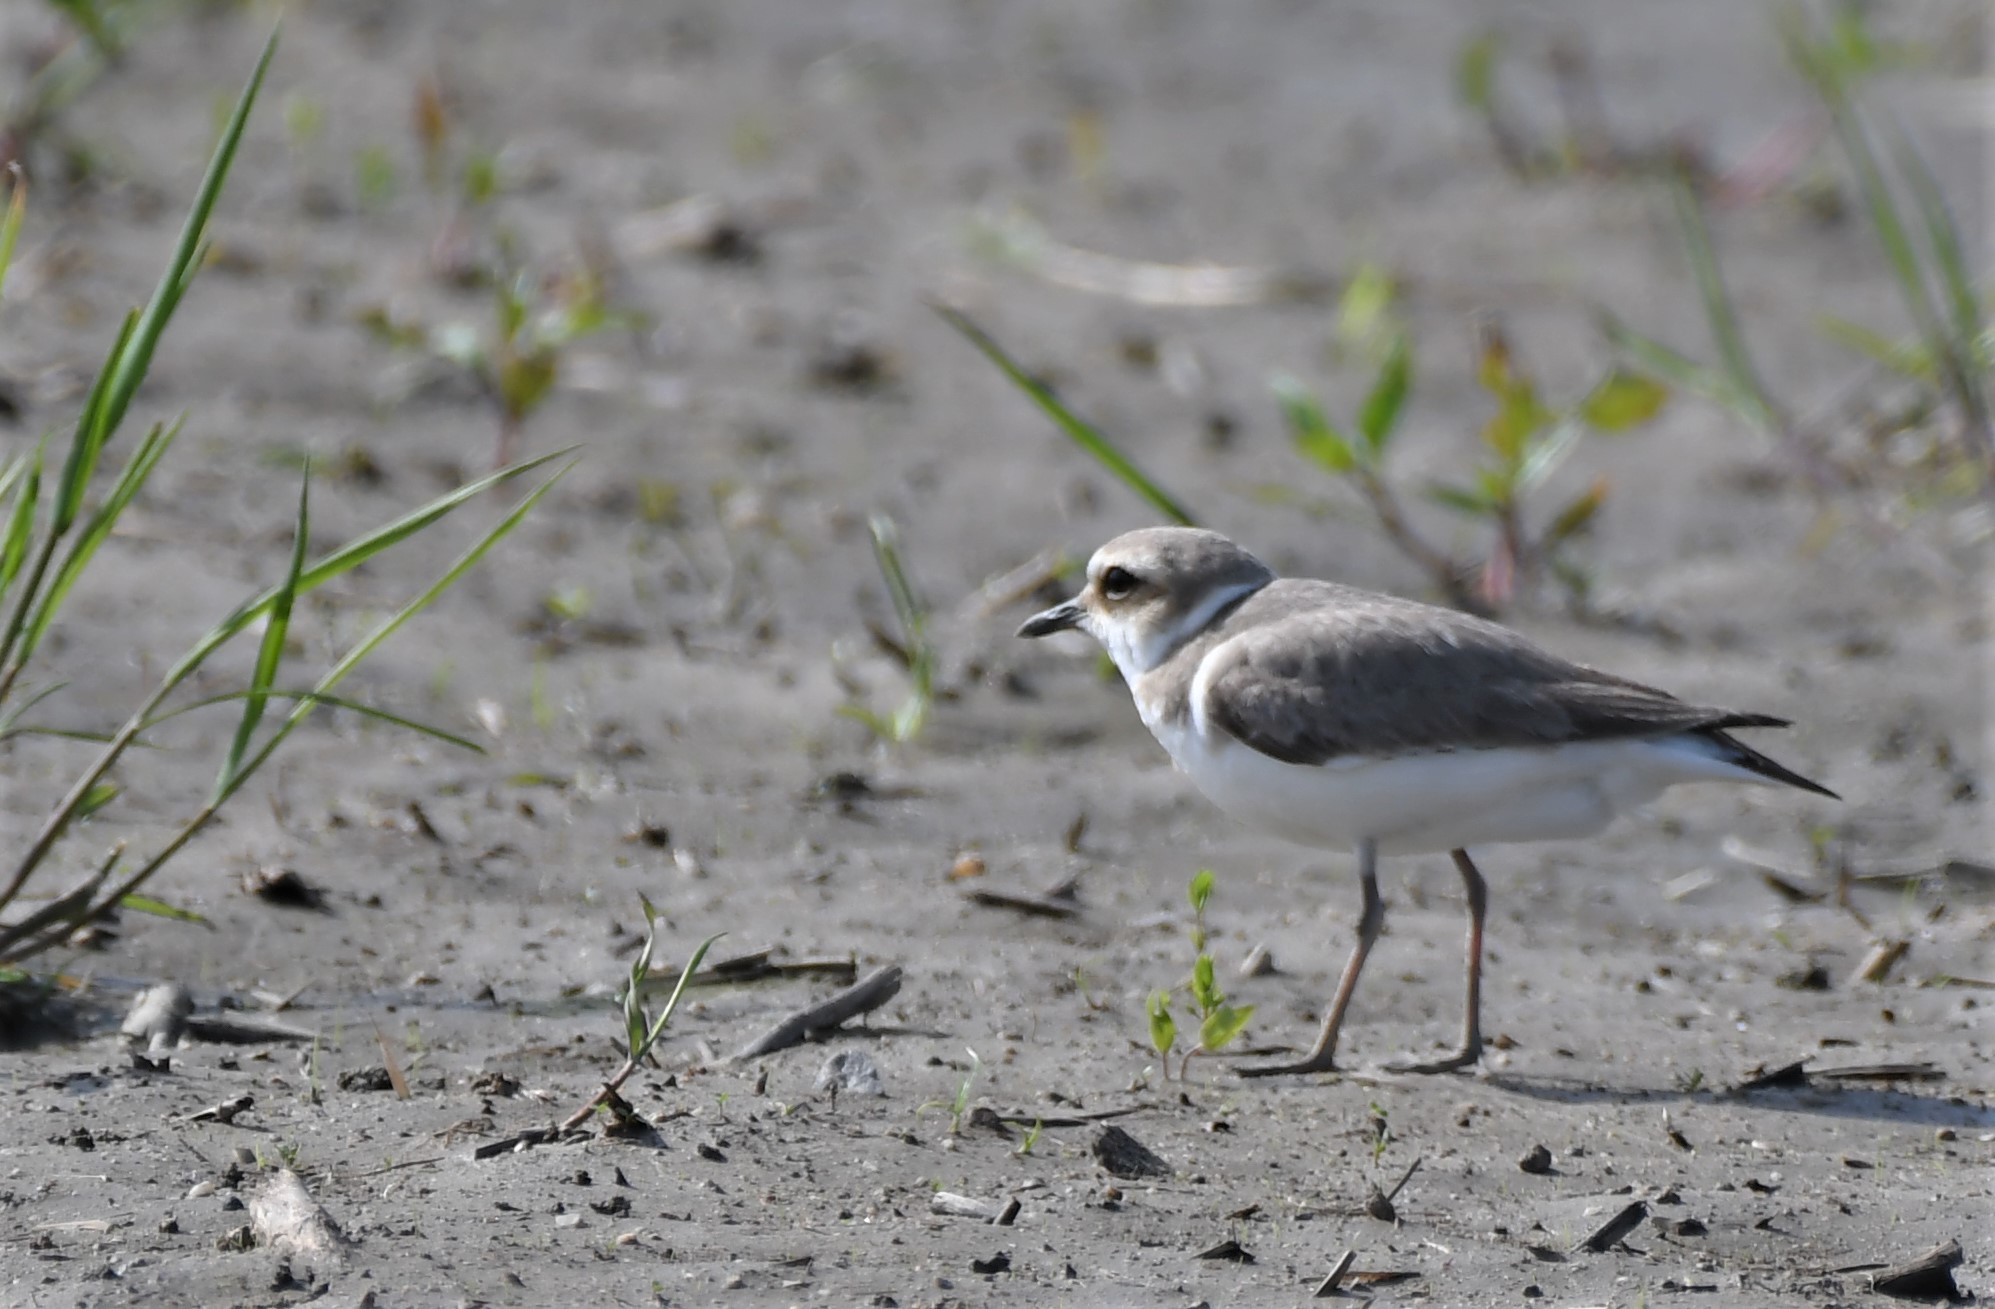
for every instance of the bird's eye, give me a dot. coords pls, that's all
(1117, 583)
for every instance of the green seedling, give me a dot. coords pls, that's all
(1522, 444)
(517, 358)
(641, 1031)
(1525, 441)
(374, 181)
(1030, 1142)
(1163, 1028)
(958, 1106)
(304, 122)
(1381, 1130)
(912, 647)
(1077, 429)
(1218, 1021)
(56, 518)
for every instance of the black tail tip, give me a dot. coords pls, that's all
(1753, 761)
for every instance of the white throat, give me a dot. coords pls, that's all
(1138, 648)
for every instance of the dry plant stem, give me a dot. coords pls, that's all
(1404, 1178)
(1392, 521)
(79, 914)
(864, 996)
(61, 910)
(603, 1096)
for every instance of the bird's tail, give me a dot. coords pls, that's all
(1729, 749)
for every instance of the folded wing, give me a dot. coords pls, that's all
(1349, 678)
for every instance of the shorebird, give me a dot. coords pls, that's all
(1344, 718)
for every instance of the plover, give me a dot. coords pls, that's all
(1349, 719)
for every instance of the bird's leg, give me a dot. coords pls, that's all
(1322, 1058)
(1476, 892)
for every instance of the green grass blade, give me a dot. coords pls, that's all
(635, 1021)
(11, 474)
(361, 549)
(145, 904)
(57, 733)
(270, 652)
(126, 367)
(83, 448)
(24, 478)
(94, 23)
(99, 795)
(360, 652)
(1963, 324)
(1831, 83)
(1942, 239)
(350, 556)
(1749, 393)
(10, 226)
(908, 608)
(329, 701)
(1078, 430)
(137, 471)
(1907, 358)
(11, 715)
(1679, 370)
(664, 1019)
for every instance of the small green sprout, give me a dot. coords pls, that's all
(1218, 1022)
(913, 647)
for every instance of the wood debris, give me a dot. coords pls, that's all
(1610, 1233)
(864, 996)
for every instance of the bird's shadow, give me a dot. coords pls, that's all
(1877, 1104)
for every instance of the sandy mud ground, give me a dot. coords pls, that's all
(669, 726)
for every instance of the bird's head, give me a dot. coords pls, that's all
(1150, 591)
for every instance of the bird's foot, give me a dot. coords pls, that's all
(1466, 1057)
(1323, 1061)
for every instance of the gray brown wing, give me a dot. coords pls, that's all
(1392, 680)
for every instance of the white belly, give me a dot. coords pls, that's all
(1443, 800)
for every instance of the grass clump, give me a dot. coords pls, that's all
(957, 1106)
(1935, 441)
(56, 511)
